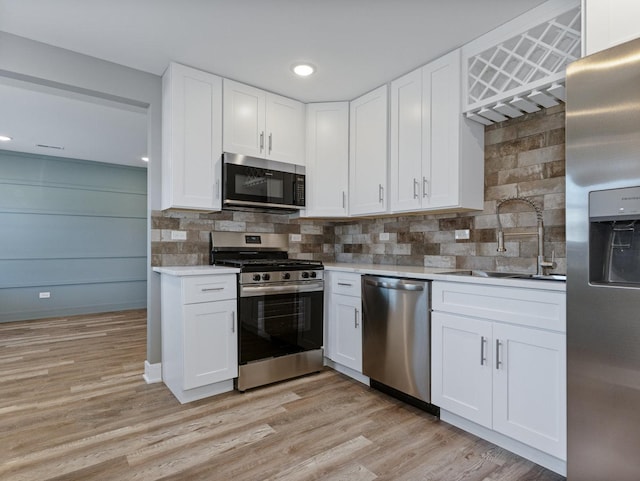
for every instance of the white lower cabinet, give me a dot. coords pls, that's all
(343, 306)
(461, 381)
(529, 387)
(508, 377)
(346, 326)
(210, 331)
(199, 335)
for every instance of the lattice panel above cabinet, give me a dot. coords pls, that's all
(524, 72)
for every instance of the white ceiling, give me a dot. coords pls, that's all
(85, 127)
(356, 45)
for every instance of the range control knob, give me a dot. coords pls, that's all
(286, 275)
(313, 274)
(256, 277)
(266, 277)
(305, 275)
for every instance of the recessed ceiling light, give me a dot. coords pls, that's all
(5, 138)
(146, 159)
(303, 69)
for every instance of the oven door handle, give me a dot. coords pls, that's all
(285, 288)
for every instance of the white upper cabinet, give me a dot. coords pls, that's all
(327, 168)
(285, 129)
(406, 143)
(191, 139)
(437, 156)
(368, 153)
(244, 119)
(609, 23)
(262, 124)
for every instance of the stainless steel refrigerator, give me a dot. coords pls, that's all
(603, 271)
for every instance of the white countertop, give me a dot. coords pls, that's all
(416, 272)
(419, 272)
(181, 271)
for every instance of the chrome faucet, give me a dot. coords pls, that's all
(541, 264)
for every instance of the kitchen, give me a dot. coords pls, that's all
(361, 242)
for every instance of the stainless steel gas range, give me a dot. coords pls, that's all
(280, 307)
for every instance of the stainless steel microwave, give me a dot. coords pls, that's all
(253, 183)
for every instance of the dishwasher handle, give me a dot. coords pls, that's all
(395, 285)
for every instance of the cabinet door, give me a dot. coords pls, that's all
(461, 366)
(345, 331)
(405, 189)
(210, 343)
(530, 397)
(327, 159)
(192, 139)
(284, 131)
(244, 119)
(609, 23)
(442, 116)
(368, 153)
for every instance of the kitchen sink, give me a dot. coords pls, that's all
(508, 275)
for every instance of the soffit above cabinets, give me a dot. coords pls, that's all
(49, 121)
(521, 67)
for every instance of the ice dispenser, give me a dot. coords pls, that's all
(614, 237)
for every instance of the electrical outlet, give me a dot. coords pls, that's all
(178, 235)
(384, 236)
(296, 237)
(44, 295)
(463, 234)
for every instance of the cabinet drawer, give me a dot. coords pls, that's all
(345, 283)
(209, 288)
(515, 305)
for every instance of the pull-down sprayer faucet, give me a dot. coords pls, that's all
(541, 264)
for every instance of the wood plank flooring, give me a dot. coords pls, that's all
(74, 406)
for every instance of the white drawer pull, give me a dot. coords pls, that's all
(207, 289)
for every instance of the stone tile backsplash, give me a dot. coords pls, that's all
(523, 157)
(317, 238)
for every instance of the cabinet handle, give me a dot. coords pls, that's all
(483, 341)
(344, 284)
(217, 193)
(261, 141)
(207, 289)
(380, 193)
(233, 321)
(415, 188)
(344, 199)
(270, 141)
(425, 186)
(356, 317)
(498, 361)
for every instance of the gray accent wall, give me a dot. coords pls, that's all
(41, 64)
(73, 229)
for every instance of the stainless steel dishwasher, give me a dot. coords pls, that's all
(396, 335)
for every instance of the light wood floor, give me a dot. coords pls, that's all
(74, 406)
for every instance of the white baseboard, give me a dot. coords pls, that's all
(152, 372)
(347, 371)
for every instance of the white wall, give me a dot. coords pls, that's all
(43, 64)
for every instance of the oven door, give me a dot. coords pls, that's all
(279, 319)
